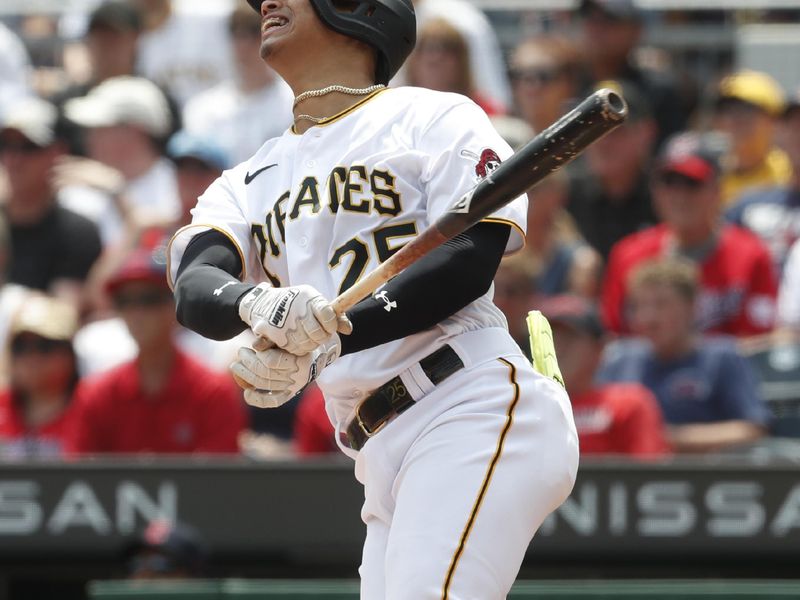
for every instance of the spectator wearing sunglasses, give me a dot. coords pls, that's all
(52, 248)
(252, 106)
(36, 409)
(544, 73)
(738, 285)
(163, 401)
(440, 61)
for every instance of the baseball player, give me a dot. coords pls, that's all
(463, 449)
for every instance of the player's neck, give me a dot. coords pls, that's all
(330, 104)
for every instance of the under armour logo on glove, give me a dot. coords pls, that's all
(390, 304)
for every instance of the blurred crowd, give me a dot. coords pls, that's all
(665, 258)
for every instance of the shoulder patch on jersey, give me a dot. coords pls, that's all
(487, 162)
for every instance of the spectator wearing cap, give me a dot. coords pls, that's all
(163, 401)
(707, 391)
(737, 281)
(111, 41)
(52, 248)
(440, 61)
(487, 65)
(245, 110)
(105, 341)
(126, 121)
(111, 37)
(612, 418)
(166, 550)
(610, 198)
(545, 74)
(36, 409)
(174, 47)
(773, 212)
(199, 161)
(610, 33)
(749, 105)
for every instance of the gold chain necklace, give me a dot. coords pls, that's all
(329, 90)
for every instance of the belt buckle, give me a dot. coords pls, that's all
(367, 431)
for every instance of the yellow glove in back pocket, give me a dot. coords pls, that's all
(542, 350)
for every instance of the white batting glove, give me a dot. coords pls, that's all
(297, 318)
(274, 376)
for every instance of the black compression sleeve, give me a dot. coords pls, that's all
(432, 289)
(207, 288)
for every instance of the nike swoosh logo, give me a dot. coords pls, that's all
(249, 177)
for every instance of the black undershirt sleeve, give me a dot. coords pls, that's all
(208, 291)
(207, 287)
(435, 287)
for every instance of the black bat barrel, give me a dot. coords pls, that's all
(548, 151)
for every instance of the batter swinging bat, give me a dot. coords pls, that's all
(550, 150)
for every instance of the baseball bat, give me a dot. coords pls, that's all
(548, 151)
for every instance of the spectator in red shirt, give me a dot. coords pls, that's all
(738, 285)
(615, 418)
(36, 409)
(163, 401)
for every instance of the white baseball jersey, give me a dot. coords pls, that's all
(325, 207)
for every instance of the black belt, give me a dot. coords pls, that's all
(393, 398)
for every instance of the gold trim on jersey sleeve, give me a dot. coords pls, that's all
(512, 373)
(514, 225)
(345, 112)
(205, 227)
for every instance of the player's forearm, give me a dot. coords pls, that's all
(207, 292)
(201, 309)
(434, 288)
(708, 437)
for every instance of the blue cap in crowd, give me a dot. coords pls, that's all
(188, 145)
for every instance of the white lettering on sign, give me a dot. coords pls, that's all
(20, 514)
(736, 509)
(666, 508)
(79, 507)
(617, 509)
(788, 516)
(132, 500)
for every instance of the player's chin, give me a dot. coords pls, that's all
(270, 47)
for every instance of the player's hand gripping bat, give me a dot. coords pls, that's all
(550, 150)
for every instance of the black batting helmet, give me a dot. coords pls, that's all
(389, 26)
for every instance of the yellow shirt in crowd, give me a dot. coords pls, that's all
(775, 170)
